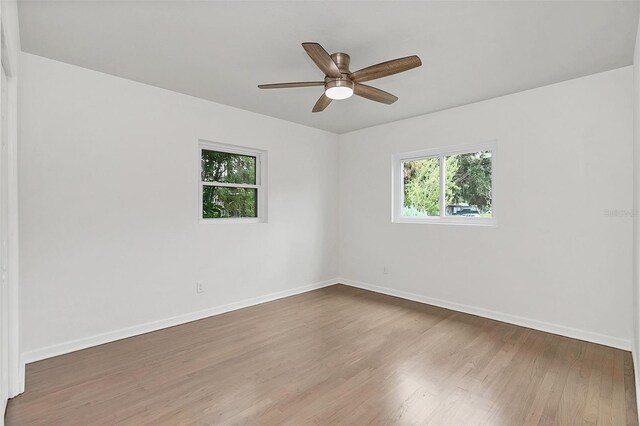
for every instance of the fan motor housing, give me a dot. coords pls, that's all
(338, 82)
(342, 60)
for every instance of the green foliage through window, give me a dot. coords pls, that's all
(422, 187)
(223, 202)
(225, 167)
(229, 188)
(467, 184)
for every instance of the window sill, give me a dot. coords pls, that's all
(447, 221)
(229, 221)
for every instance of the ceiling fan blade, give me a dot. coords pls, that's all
(386, 68)
(291, 85)
(374, 94)
(322, 103)
(322, 59)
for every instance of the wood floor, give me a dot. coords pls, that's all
(338, 355)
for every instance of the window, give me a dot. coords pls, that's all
(445, 185)
(232, 184)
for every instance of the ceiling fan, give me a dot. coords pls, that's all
(340, 83)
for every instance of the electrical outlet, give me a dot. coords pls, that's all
(199, 288)
(385, 270)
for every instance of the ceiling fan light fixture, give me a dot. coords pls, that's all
(339, 89)
(340, 83)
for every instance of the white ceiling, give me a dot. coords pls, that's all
(220, 50)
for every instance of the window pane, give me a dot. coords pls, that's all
(225, 167)
(421, 188)
(221, 202)
(468, 184)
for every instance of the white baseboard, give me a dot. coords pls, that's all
(561, 330)
(100, 339)
(4, 410)
(21, 376)
(75, 345)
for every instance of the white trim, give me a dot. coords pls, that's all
(231, 149)
(261, 181)
(561, 330)
(16, 386)
(22, 373)
(111, 336)
(230, 185)
(5, 306)
(230, 220)
(9, 56)
(448, 220)
(100, 339)
(397, 196)
(636, 373)
(442, 199)
(16, 368)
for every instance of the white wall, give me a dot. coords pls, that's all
(555, 260)
(110, 238)
(109, 227)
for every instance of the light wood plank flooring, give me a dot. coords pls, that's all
(338, 355)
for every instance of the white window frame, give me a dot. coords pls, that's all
(397, 182)
(261, 181)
